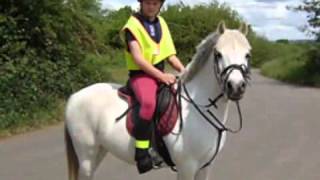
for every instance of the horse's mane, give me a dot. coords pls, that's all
(201, 56)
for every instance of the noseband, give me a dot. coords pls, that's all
(208, 115)
(223, 76)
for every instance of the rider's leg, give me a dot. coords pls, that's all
(145, 89)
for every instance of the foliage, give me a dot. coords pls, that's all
(284, 41)
(313, 64)
(49, 49)
(43, 45)
(312, 8)
(189, 25)
(114, 21)
(299, 63)
(262, 50)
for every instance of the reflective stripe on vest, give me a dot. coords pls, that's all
(152, 52)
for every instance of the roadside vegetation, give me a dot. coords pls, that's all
(50, 49)
(298, 62)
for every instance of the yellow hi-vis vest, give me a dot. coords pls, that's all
(152, 51)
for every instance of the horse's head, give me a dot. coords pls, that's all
(231, 60)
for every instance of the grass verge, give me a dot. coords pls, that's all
(297, 67)
(43, 117)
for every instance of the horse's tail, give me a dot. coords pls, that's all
(73, 162)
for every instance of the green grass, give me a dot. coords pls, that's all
(35, 120)
(293, 66)
(285, 69)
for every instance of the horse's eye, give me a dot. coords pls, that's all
(248, 56)
(218, 55)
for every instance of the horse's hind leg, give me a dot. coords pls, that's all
(86, 165)
(100, 155)
(89, 160)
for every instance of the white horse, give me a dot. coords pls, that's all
(220, 65)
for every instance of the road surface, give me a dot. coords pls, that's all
(280, 141)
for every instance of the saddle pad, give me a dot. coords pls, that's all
(167, 120)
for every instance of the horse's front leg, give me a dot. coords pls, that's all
(203, 174)
(187, 171)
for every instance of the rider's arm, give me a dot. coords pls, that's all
(145, 65)
(175, 62)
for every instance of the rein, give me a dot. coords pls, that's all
(208, 115)
(217, 124)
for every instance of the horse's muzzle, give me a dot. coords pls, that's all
(235, 91)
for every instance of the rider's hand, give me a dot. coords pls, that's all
(168, 78)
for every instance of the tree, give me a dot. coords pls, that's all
(312, 7)
(312, 63)
(43, 45)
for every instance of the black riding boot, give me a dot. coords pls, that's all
(142, 156)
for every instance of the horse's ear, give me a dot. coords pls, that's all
(221, 27)
(244, 28)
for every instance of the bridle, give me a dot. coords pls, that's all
(207, 114)
(223, 75)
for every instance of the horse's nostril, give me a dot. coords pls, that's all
(243, 85)
(229, 85)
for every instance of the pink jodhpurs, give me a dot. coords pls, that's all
(145, 89)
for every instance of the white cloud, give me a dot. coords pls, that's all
(280, 32)
(268, 17)
(118, 4)
(271, 18)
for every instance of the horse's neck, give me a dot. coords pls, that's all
(204, 86)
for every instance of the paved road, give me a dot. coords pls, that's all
(280, 141)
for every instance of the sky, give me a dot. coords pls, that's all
(269, 18)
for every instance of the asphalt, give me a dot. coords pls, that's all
(279, 141)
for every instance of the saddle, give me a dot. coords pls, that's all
(164, 118)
